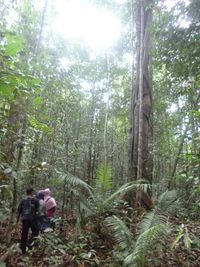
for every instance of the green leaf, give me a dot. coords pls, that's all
(40, 126)
(121, 232)
(104, 176)
(15, 45)
(38, 101)
(6, 89)
(75, 181)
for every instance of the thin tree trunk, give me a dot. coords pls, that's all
(63, 207)
(178, 154)
(22, 139)
(9, 150)
(180, 148)
(76, 143)
(105, 132)
(90, 142)
(13, 213)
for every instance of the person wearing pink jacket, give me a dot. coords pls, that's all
(50, 203)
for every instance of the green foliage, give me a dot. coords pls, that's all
(73, 181)
(122, 234)
(6, 89)
(104, 177)
(127, 187)
(183, 236)
(5, 198)
(101, 204)
(93, 203)
(55, 250)
(38, 101)
(52, 248)
(153, 229)
(81, 253)
(188, 194)
(167, 201)
(40, 126)
(14, 44)
(65, 111)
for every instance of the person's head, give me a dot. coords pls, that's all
(40, 194)
(30, 191)
(47, 192)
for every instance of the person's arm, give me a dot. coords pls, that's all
(18, 216)
(37, 204)
(44, 208)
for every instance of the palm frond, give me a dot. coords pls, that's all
(136, 185)
(154, 227)
(121, 232)
(144, 242)
(167, 199)
(151, 218)
(85, 205)
(74, 181)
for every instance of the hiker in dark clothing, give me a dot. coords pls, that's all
(42, 208)
(28, 210)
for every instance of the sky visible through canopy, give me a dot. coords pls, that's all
(100, 28)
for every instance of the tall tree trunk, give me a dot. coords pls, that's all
(76, 142)
(9, 151)
(88, 167)
(141, 95)
(105, 132)
(90, 145)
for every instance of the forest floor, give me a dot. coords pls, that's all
(91, 248)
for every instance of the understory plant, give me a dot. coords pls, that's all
(100, 199)
(93, 205)
(153, 229)
(74, 252)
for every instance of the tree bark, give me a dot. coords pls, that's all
(140, 102)
(141, 95)
(90, 141)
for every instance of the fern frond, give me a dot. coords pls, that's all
(121, 232)
(104, 176)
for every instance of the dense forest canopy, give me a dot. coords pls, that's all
(99, 101)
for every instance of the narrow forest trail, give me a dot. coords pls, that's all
(94, 250)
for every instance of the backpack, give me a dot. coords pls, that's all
(28, 208)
